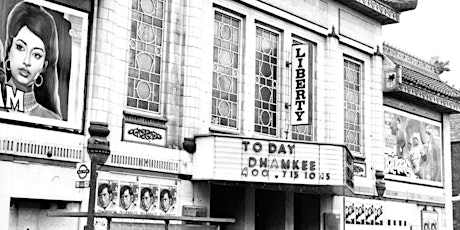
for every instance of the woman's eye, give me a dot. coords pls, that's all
(19, 47)
(37, 55)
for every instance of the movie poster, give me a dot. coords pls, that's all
(129, 197)
(360, 213)
(412, 148)
(136, 198)
(149, 198)
(350, 214)
(168, 201)
(363, 212)
(370, 214)
(107, 196)
(378, 211)
(42, 63)
(429, 220)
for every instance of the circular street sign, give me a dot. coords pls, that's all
(82, 171)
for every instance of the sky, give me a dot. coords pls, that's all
(432, 29)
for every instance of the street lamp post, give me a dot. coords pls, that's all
(99, 150)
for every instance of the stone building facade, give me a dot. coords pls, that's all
(280, 114)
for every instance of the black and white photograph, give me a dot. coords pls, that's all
(229, 114)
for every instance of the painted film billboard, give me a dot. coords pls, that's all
(42, 63)
(412, 149)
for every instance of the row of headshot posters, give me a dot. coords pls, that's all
(136, 198)
(363, 213)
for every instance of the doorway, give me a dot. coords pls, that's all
(269, 210)
(306, 211)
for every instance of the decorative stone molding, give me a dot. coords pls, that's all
(431, 97)
(36, 149)
(380, 8)
(394, 52)
(401, 5)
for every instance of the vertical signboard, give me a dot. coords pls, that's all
(42, 63)
(300, 85)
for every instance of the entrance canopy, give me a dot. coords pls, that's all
(272, 162)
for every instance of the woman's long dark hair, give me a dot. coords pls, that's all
(42, 24)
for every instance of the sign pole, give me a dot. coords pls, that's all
(98, 150)
(92, 196)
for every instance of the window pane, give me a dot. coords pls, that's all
(145, 55)
(226, 71)
(267, 43)
(352, 106)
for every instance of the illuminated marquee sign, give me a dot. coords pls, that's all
(299, 94)
(272, 161)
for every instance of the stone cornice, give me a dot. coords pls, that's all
(380, 8)
(375, 9)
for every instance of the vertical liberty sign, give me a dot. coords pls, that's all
(299, 86)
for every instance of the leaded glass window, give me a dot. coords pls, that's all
(145, 52)
(266, 68)
(352, 104)
(226, 70)
(304, 132)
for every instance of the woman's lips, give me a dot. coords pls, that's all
(24, 72)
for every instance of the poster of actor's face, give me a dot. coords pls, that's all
(136, 198)
(42, 62)
(412, 147)
(149, 198)
(129, 193)
(350, 214)
(360, 213)
(429, 220)
(167, 200)
(107, 196)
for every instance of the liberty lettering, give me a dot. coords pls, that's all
(299, 85)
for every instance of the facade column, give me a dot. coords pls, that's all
(376, 119)
(193, 31)
(333, 118)
(100, 75)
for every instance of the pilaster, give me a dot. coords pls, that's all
(333, 120)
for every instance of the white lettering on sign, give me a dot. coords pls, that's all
(13, 100)
(299, 93)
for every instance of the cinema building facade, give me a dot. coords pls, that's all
(280, 114)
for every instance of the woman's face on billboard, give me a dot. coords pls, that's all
(415, 150)
(27, 58)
